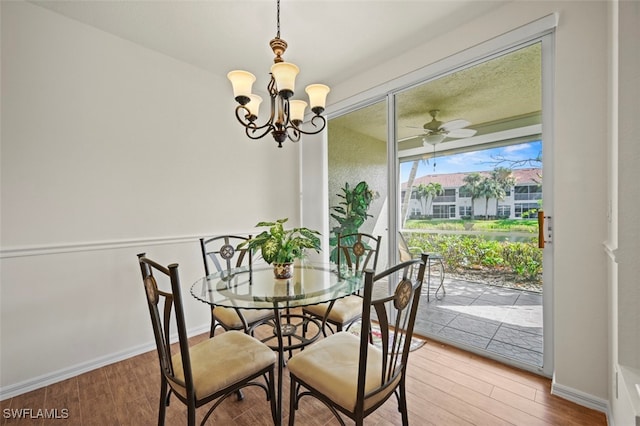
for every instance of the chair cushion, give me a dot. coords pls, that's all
(230, 318)
(221, 361)
(331, 368)
(343, 310)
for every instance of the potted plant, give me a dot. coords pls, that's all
(351, 213)
(281, 247)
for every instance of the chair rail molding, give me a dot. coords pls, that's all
(40, 250)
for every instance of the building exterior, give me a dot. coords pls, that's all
(455, 203)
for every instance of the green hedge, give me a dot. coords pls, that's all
(462, 252)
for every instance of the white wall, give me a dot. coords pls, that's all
(579, 150)
(109, 149)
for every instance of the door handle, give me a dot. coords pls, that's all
(540, 229)
(542, 221)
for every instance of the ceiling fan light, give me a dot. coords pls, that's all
(433, 138)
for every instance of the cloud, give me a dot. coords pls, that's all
(516, 148)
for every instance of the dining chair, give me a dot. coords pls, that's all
(210, 370)
(350, 374)
(354, 253)
(219, 254)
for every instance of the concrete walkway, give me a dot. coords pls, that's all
(505, 321)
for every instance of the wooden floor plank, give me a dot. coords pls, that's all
(490, 371)
(445, 386)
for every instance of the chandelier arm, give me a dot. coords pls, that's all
(311, 132)
(293, 133)
(250, 127)
(250, 131)
(273, 94)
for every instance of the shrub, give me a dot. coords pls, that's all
(462, 252)
(524, 259)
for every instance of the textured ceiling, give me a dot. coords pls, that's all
(478, 94)
(501, 94)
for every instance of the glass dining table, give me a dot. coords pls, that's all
(255, 287)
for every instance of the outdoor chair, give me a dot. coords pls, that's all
(406, 252)
(354, 254)
(436, 260)
(350, 374)
(219, 254)
(210, 370)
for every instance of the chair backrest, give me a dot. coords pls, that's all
(403, 248)
(221, 253)
(165, 305)
(357, 252)
(395, 315)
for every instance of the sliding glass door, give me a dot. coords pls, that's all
(456, 165)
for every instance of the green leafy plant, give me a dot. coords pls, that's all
(350, 213)
(462, 253)
(279, 245)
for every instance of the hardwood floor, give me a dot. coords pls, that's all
(445, 386)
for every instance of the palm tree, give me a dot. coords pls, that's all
(486, 189)
(472, 183)
(407, 192)
(489, 188)
(505, 180)
(428, 192)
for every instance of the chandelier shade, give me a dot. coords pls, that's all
(286, 116)
(317, 97)
(242, 81)
(285, 75)
(296, 110)
(254, 105)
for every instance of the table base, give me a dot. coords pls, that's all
(293, 332)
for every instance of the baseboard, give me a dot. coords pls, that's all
(16, 389)
(579, 397)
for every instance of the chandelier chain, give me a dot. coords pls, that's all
(278, 19)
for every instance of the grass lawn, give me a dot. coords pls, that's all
(497, 225)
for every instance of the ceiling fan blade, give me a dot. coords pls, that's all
(454, 125)
(410, 137)
(461, 133)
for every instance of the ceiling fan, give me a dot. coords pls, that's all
(436, 131)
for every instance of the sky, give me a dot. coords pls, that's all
(475, 161)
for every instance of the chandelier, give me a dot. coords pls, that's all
(287, 115)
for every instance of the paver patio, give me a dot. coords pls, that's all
(504, 321)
